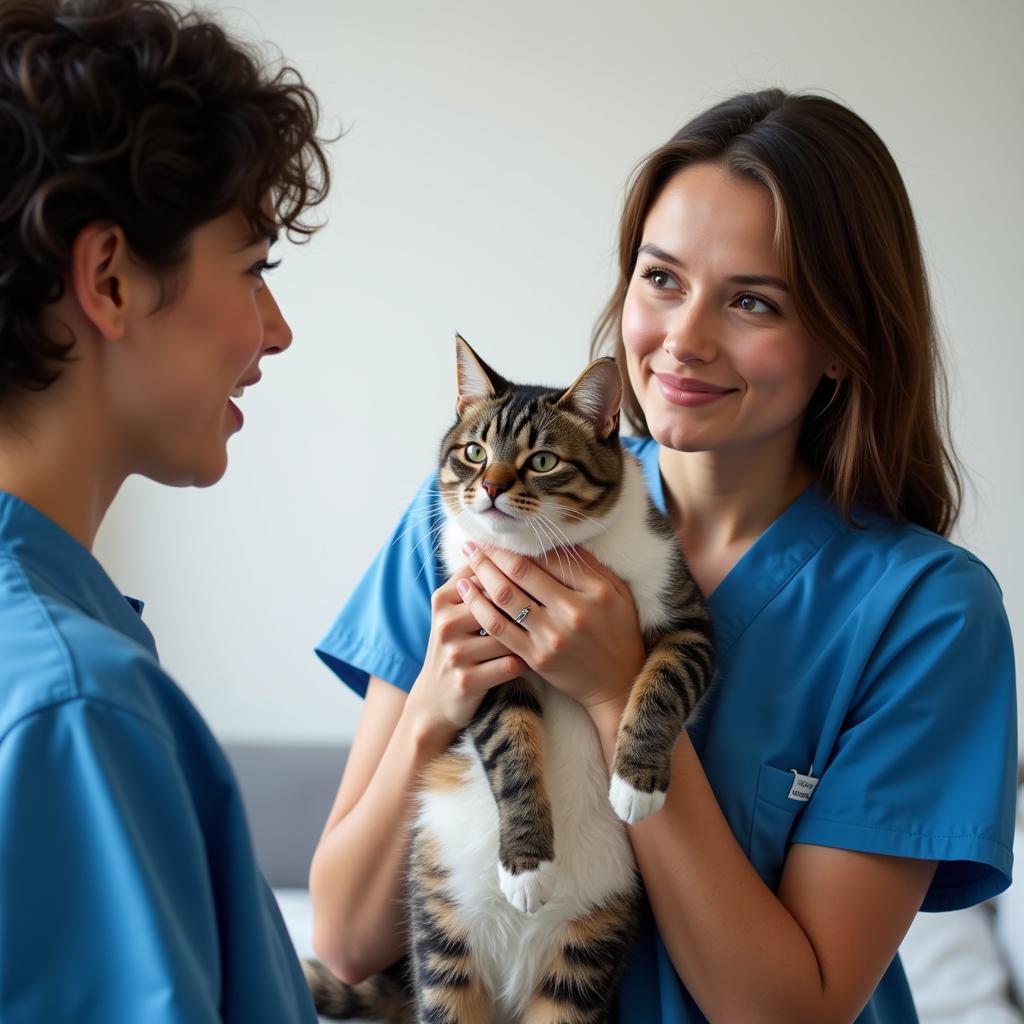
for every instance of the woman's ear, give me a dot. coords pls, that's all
(98, 274)
(834, 371)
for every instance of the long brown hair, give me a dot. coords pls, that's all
(847, 245)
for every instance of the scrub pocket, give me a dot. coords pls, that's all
(772, 820)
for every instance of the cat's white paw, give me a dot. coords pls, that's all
(630, 804)
(529, 890)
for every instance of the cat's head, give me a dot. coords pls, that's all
(530, 468)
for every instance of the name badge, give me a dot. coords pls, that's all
(803, 785)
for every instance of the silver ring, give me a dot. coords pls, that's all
(521, 617)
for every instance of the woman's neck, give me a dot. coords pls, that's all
(721, 502)
(55, 454)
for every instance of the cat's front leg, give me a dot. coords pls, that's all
(508, 733)
(675, 676)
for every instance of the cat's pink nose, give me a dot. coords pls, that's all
(495, 487)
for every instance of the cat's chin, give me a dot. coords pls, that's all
(504, 532)
(515, 535)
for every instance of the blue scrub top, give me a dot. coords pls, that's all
(128, 887)
(881, 657)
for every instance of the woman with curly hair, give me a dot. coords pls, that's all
(148, 162)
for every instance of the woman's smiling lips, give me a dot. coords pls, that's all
(690, 392)
(237, 393)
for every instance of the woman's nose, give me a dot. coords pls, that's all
(277, 335)
(690, 336)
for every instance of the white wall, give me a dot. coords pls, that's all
(478, 189)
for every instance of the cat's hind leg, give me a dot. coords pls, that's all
(578, 981)
(447, 981)
(508, 733)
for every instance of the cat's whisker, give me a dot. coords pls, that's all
(558, 532)
(401, 536)
(436, 535)
(424, 517)
(427, 513)
(433, 538)
(566, 510)
(541, 543)
(566, 542)
(430, 492)
(538, 523)
(558, 547)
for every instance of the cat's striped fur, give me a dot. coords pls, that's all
(523, 890)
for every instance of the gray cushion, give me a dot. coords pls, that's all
(288, 790)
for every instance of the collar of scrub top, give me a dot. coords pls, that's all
(768, 564)
(51, 552)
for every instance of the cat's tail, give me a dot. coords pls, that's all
(382, 997)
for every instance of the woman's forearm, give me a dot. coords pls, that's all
(358, 871)
(738, 950)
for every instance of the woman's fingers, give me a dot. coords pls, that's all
(498, 626)
(574, 569)
(507, 595)
(474, 645)
(482, 648)
(496, 671)
(498, 570)
(446, 596)
(580, 570)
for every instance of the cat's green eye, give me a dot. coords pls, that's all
(543, 462)
(475, 452)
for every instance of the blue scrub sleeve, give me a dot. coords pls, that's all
(106, 913)
(925, 765)
(384, 626)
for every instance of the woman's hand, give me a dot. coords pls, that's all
(460, 666)
(581, 632)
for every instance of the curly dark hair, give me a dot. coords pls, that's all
(135, 113)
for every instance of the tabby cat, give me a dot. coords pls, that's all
(523, 890)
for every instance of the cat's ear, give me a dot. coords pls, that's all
(476, 380)
(597, 394)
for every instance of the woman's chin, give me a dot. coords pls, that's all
(203, 471)
(676, 436)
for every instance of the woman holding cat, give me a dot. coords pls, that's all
(856, 759)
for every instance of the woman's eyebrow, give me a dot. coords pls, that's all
(760, 279)
(659, 254)
(251, 241)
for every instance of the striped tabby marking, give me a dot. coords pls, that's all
(448, 987)
(580, 978)
(446, 772)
